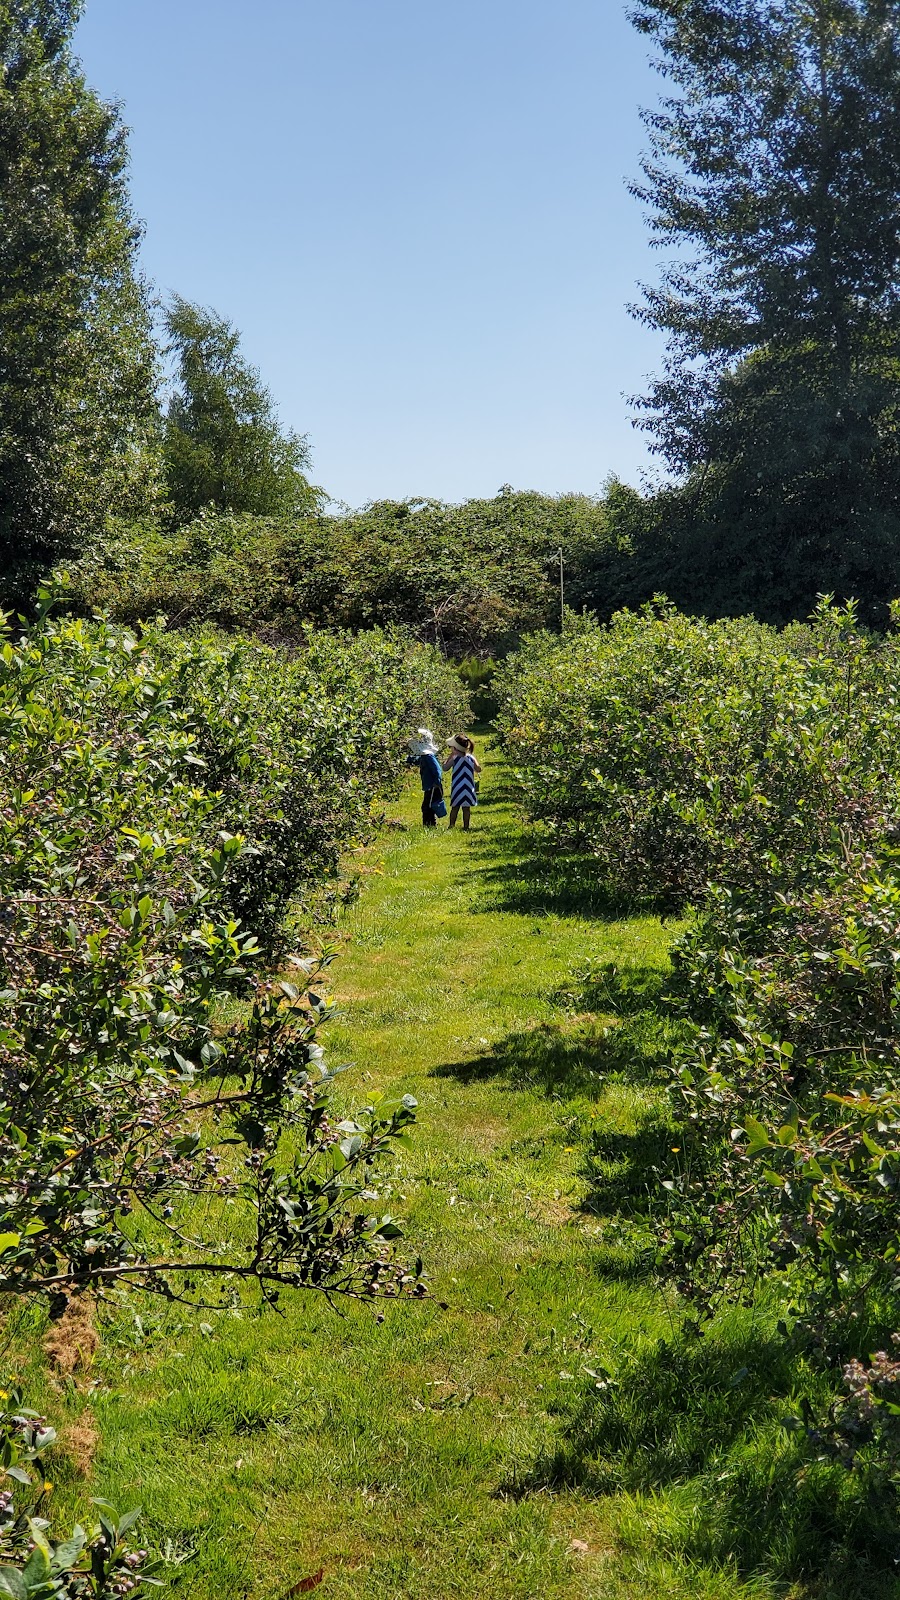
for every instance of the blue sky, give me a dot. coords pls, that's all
(415, 212)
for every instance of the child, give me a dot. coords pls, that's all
(424, 755)
(463, 766)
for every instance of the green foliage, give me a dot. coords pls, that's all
(470, 578)
(78, 412)
(222, 444)
(94, 1564)
(757, 776)
(788, 1091)
(317, 1423)
(301, 749)
(167, 800)
(136, 821)
(761, 162)
(781, 302)
(676, 750)
(477, 675)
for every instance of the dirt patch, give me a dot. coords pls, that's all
(72, 1342)
(481, 1135)
(80, 1440)
(552, 1210)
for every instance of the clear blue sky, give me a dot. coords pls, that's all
(416, 214)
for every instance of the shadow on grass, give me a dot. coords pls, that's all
(560, 1063)
(667, 1413)
(521, 873)
(617, 1027)
(693, 1428)
(624, 1170)
(609, 989)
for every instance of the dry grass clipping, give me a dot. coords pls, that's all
(80, 1440)
(72, 1342)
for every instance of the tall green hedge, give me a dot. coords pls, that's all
(752, 778)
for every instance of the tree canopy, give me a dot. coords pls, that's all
(471, 578)
(223, 444)
(78, 411)
(774, 175)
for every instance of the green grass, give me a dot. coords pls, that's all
(440, 1452)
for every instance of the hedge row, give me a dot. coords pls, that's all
(165, 803)
(753, 777)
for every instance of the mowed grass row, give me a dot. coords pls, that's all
(403, 1455)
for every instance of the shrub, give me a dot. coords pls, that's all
(300, 748)
(98, 1563)
(119, 946)
(678, 751)
(164, 800)
(755, 776)
(470, 578)
(787, 1102)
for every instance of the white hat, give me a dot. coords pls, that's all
(423, 744)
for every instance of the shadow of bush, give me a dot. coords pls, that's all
(628, 1040)
(624, 1169)
(693, 1428)
(565, 1064)
(560, 1064)
(614, 990)
(667, 1412)
(539, 881)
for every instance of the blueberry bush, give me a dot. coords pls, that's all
(166, 803)
(101, 1562)
(678, 751)
(751, 779)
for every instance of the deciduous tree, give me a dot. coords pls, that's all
(224, 446)
(774, 173)
(78, 413)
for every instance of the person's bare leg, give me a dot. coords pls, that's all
(467, 812)
(454, 813)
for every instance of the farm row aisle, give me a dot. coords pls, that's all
(415, 1457)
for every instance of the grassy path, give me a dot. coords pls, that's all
(404, 1456)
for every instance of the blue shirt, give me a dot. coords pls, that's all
(429, 770)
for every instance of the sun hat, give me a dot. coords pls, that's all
(424, 743)
(460, 745)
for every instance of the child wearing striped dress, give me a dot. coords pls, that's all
(462, 766)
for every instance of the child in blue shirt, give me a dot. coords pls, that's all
(424, 755)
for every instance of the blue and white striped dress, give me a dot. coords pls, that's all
(462, 782)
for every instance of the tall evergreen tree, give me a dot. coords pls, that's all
(223, 444)
(774, 172)
(78, 413)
